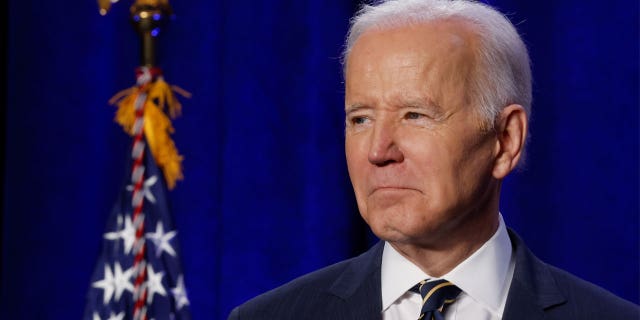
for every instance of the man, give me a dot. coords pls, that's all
(437, 99)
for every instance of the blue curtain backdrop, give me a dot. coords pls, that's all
(266, 196)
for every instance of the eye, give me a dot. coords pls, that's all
(413, 116)
(358, 120)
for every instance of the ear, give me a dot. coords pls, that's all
(511, 133)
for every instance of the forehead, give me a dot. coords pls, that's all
(436, 56)
(431, 37)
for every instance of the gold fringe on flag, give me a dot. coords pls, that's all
(157, 125)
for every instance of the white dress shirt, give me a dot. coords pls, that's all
(484, 278)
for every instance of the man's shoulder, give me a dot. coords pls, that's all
(311, 284)
(543, 289)
(590, 299)
(323, 289)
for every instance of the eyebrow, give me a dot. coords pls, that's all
(425, 104)
(421, 103)
(355, 107)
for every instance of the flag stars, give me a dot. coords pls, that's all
(114, 282)
(180, 293)
(161, 239)
(119, 316)
(146, 188)
(127, 234)
(154, 284)
(153, 279)
(113, 316)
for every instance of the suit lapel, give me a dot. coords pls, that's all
(359, 285)
(533, 288)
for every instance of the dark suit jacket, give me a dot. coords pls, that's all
(351, 290)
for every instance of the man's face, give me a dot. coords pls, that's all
(420, 164)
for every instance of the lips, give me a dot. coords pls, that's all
(392, 189)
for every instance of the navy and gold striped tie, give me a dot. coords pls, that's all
(436, 296)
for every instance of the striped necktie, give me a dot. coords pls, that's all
(436, 296)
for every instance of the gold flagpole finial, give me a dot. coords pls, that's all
(147, 17)
(161, 104)
(105, 5)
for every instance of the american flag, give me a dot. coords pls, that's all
(138, 274)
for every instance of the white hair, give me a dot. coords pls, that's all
(502, 76)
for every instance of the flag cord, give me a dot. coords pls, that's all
(144, 78)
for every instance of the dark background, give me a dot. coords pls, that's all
(266, 196)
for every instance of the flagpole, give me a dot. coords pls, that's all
(145, 112)
(148, 17)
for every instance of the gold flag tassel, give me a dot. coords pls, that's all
(157, 125)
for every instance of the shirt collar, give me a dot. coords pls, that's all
(483, 275)
(398, 275)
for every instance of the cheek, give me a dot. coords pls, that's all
(426, 159)
(467, 172)
(476, 172)
(357, 165)
(354, 161)
(434, 163)
(357, 147)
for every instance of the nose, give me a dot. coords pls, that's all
(384, 149)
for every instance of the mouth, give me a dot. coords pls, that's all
(392, 189)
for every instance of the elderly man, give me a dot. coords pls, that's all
(437, 100)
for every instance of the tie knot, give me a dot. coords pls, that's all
(436, 295)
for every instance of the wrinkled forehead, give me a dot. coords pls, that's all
(440, 54)
(442, 35)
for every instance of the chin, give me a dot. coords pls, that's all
(400, 226)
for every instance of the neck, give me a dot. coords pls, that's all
(456, 245)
